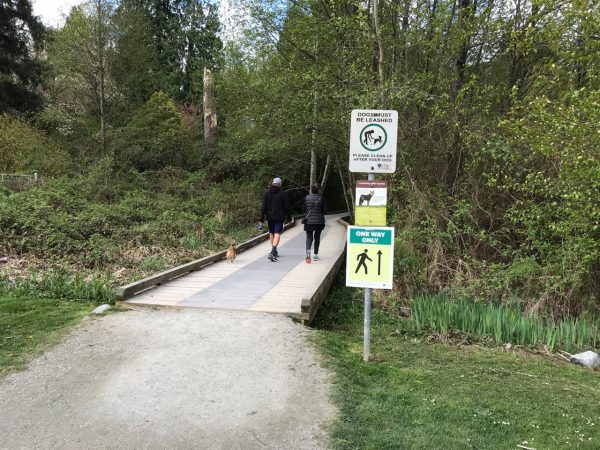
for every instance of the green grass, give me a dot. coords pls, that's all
(30, 325)
(419, 395)
(58, 284)
(503, 324)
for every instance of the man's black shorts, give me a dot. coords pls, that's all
(275, 227)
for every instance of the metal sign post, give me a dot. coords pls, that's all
(367, 322)
(373, 140)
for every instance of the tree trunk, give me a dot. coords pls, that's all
(313, 138)
(210, 115)
(430, 34)
(404, 40)
(455, 157)
(101, 67)
(348, 204)
(352, 187)
(461, 58)
(380, 56)
(325, 173)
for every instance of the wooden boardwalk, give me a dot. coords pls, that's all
(254, 283)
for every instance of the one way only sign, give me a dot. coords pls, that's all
(370, 257)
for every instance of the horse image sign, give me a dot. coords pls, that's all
(373, 140)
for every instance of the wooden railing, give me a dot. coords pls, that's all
(19, 181)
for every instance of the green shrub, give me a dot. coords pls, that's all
(24, 148)
(155, 137)
(545, 160)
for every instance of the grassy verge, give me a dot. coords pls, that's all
(29, 325)
(420, 395)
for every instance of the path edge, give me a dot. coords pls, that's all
(310, 305)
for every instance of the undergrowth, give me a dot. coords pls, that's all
(126, 225)
(56, 284)
(503, 323)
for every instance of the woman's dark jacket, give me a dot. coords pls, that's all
(315, 207)
(275, 206)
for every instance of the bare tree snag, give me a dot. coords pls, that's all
(380, 55)
(210, 114)
(313, 138)
(325, 173)
(101, 71)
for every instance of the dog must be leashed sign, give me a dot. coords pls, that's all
(373, 140)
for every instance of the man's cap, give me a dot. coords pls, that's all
(276, 181)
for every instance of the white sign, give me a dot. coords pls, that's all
(373, 140)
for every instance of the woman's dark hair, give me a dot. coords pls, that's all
(315, 188)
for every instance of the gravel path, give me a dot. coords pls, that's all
(171, 379)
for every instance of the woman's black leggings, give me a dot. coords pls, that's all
(309, 239)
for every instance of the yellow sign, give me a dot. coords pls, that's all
(371, 203)
(370, 257)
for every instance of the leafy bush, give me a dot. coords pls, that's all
(23, 147)
(546, 161)
(155, 137)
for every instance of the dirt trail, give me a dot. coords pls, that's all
(171, 379)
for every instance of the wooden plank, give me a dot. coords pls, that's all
(129, 290)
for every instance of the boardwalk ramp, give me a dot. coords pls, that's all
(252, 282)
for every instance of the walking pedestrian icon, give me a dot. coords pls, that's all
(370, 253)
(361, 261)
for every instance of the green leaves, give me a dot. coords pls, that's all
(24, 148)
(502, 323)
(155, 137)
(20, 70)
(550, 166)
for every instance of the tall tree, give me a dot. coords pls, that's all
(201, 45)
(165, 45)
(79, 55)
(134, 63)
(21, 35)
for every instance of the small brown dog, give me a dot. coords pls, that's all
(231, 252)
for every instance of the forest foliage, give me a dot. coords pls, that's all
(495, 194)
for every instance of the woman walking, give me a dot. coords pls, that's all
(315, 207)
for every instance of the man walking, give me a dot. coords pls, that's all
(275, 208)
